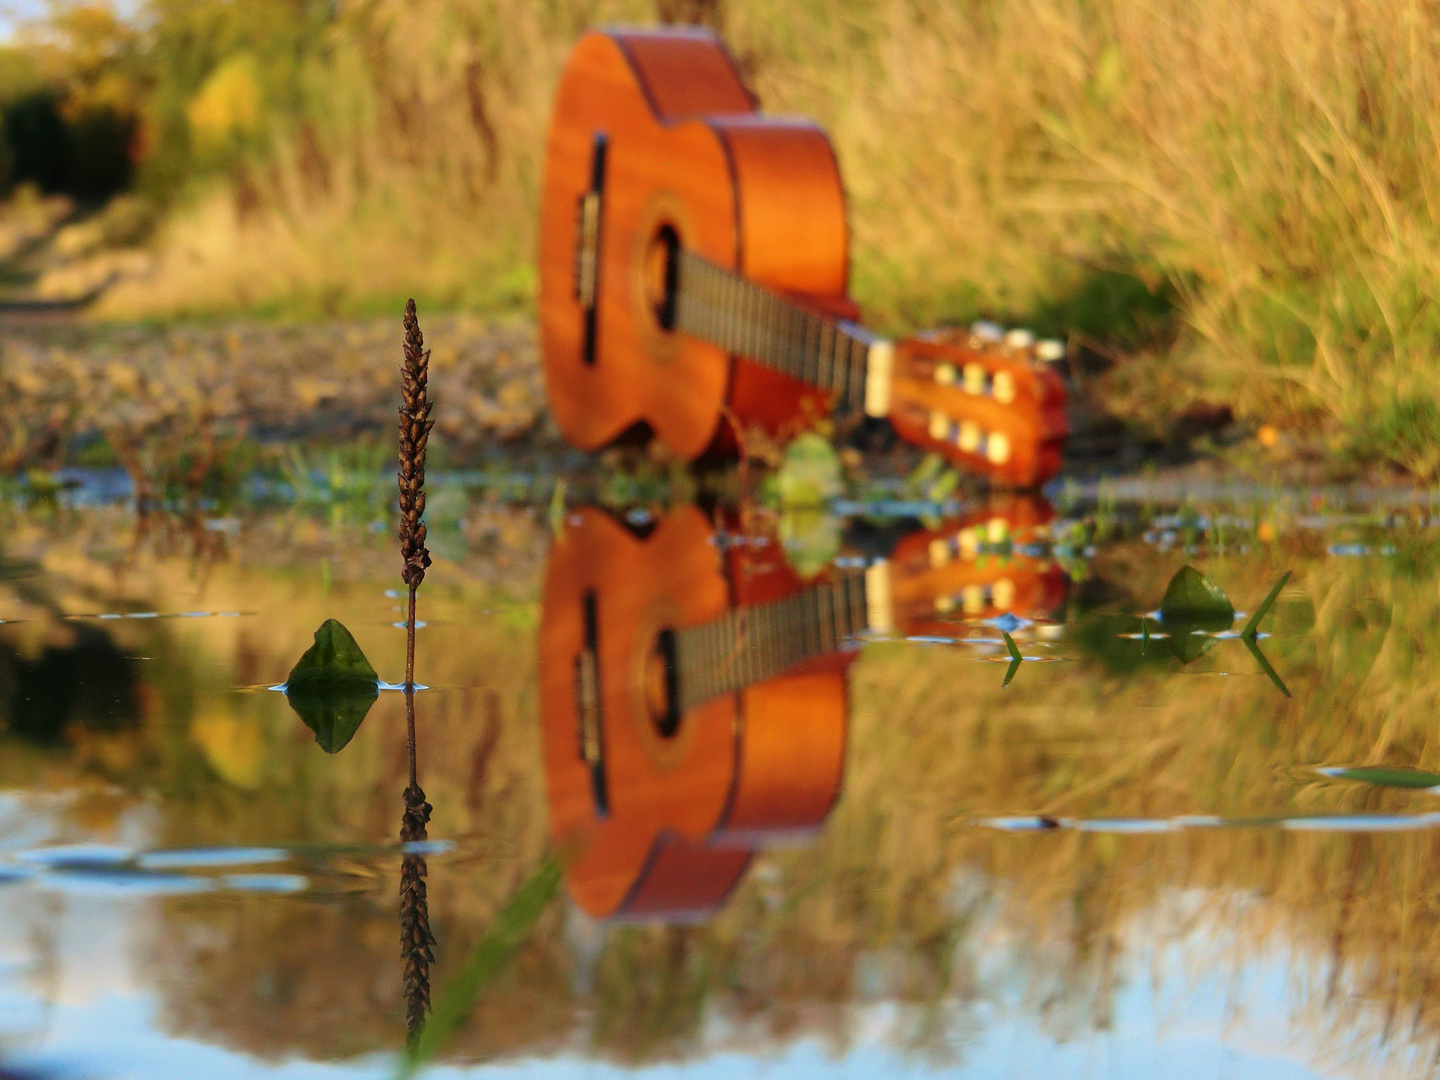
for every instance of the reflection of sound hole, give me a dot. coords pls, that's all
(662, 275)
(661, 691)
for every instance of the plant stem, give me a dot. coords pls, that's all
(410, 683)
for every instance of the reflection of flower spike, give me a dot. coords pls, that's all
(416, 940)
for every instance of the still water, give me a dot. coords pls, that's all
(814, 817)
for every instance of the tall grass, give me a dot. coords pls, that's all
(1243, 187)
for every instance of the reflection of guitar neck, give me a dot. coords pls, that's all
(749, 645)
(723, 308)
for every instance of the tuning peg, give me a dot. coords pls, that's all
(969, 437)
(987, 331)
(997, 448)
(1019, 339)
(974, 378)
(1003, 387)
(1050, 350)
(944, 374)
(1002, 594)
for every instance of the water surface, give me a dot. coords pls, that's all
(1118, 864)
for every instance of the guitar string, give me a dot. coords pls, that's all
(749, 645)
(726, 310)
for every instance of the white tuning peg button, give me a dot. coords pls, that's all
(1020, 339)
(987, 331)
(1050, 350)
(1004, 387)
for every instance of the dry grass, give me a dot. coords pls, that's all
(1268, 166)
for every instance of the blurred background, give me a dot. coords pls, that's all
(1227, 209)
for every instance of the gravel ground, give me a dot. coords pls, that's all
(153, 392)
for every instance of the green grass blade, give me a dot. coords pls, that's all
(1010, 646)
(1253, 626)
(1015, 659)
(1254, 647)
(509, 930)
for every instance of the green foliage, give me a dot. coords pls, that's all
(332, 686)
(507, 933)
(1253, 626)
(1192, 609)
(1015, 658)
(809, 474)
(1385, 776)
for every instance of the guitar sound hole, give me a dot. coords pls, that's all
(662, 275)
(661, 686)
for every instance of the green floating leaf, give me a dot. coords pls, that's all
(506, 934)
(1396, 776)
(1252, 628)
(332, 687)
(1194, 608)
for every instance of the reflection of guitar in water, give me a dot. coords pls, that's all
(694, 263)
(693, 690)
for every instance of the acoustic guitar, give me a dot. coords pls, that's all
(693, 695)
(694, 262)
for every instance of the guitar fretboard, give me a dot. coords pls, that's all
(721, 307)
(751, 644)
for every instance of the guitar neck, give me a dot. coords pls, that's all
(749, 645)
(842, 359)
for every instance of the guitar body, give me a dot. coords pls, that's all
(661, 812)
(686, 159)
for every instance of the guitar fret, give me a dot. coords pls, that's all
(824, 612)
(853, 360)
(782, 335)
(773, 352)
(751, 330)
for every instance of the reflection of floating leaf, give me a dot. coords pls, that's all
(1383, 776)
(332, 687)
(1194, 608)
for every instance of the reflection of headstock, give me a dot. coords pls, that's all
(989, 402)
(693, 692)
(993, 561)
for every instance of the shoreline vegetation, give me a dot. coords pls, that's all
(1225, 209)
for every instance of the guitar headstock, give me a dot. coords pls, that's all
(988, 400)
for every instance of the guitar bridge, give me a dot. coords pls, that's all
(587, 245)
(587, 251)
(587, 708)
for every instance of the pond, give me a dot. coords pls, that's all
(812, 816)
